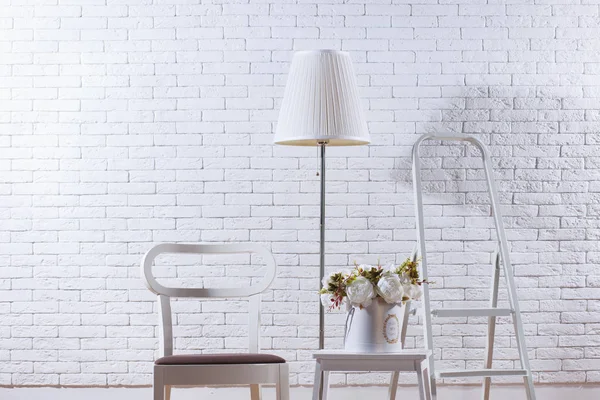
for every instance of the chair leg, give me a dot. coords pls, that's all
(167, 392)
(283, 383)
(158, 385)
(255, 392)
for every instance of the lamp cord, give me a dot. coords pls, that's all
(318, 152)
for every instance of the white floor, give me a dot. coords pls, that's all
(354, 393)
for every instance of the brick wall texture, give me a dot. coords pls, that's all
(125, 123)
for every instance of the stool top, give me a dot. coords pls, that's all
(411, 354)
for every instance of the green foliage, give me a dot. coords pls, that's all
(336, 285)
(373, 274)
(410, 269)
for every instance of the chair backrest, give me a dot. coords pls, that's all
(165, 293)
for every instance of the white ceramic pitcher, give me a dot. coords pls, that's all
(376, 328)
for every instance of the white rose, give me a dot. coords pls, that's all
(390, 288)
(389, 268)
(326, 299)
(407, 287)
(360, 292)
(416, 292)
(405, 278)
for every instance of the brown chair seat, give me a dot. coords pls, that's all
(220, 358)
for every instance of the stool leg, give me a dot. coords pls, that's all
(318, 382)
(325, 385)
(426, 378)
(393, 385)
(255, 392)
(421, 380)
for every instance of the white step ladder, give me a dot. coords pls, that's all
(501, 260)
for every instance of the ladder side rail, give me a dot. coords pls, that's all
(503, 251)
(414, 256)
(491, 333)
(418, 199)
(508, 270)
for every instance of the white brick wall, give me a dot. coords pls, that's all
(126, 123)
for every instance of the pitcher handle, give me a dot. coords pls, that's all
(347, 326)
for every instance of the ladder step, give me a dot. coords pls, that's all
(481, 372)
(472, 312)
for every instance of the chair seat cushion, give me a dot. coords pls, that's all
(220, 358)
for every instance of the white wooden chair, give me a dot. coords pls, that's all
(251, 368)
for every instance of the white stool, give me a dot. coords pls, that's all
(342, 361)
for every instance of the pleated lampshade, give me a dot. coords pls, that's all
(321, 102)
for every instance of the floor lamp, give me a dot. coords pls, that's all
(321, 107)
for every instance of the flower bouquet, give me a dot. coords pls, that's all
(375, 297)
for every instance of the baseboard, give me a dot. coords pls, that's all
(545, 392)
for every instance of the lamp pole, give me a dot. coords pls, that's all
(322, 248)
